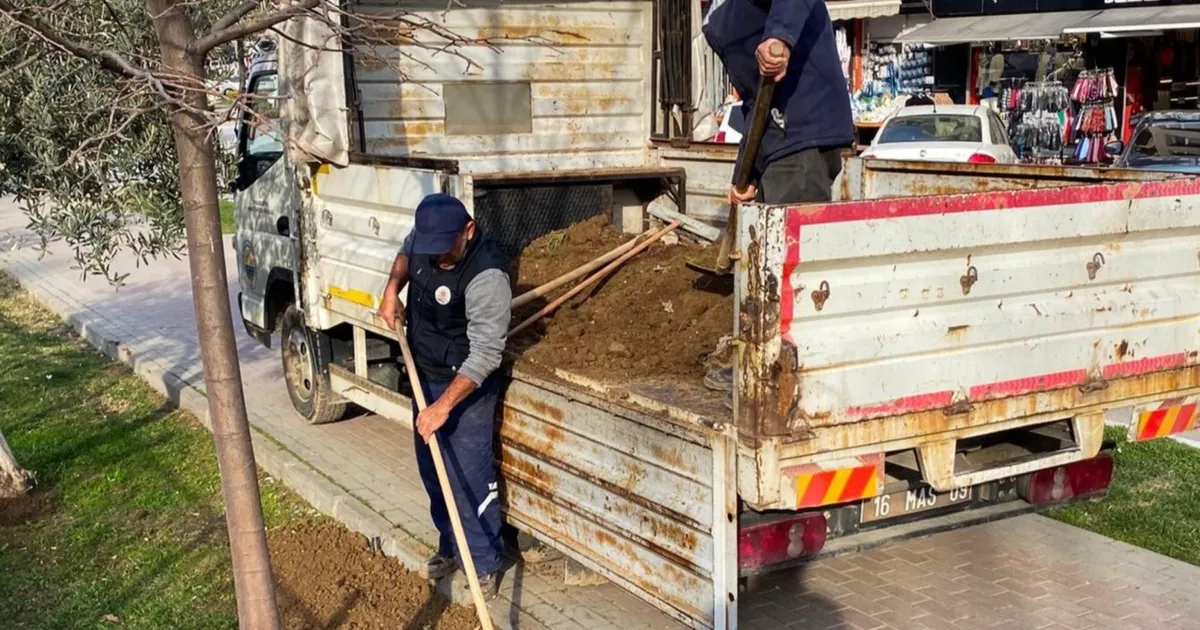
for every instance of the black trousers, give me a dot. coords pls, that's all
(803, 177)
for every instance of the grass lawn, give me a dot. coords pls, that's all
(227, 223)
(125, 524)
(1154, 501)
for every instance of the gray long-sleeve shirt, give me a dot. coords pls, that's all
(489, 311)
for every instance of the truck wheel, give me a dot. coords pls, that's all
(307, 385)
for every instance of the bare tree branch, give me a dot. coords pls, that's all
(234, 15)
(204, 44)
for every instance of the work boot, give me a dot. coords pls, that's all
(490, 585)
(439, 566)
(719, 378)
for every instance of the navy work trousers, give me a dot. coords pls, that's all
(466, 441)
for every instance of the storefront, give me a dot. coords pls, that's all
(1067, 82)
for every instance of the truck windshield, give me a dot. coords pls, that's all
(932, 128)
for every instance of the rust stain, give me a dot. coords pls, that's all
(549, 411)
(419, 128)
(956, 333)
(1122, 350)
(553, 433)
(668, 455)
(606, 538)
(634, 473)
(685, 538)
(527, 471)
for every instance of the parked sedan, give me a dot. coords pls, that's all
(943, 133)
(1162, 141)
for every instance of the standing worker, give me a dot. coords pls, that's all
(459, 309)
(810, 122)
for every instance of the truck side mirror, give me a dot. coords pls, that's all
(1115, 148)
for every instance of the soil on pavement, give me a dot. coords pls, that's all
(328, 578)
(653, 318)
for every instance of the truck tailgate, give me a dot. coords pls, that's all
(870, 309)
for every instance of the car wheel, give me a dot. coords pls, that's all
(308, 385)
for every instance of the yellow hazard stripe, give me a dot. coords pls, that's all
(362, 298)
(1168, 422)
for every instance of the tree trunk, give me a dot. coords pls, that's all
(14, 482)
(226, 401)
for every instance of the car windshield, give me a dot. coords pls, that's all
(932, 128)
(1168, 139)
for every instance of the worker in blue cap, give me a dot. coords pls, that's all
(459, 309)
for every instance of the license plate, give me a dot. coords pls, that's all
(915, 501)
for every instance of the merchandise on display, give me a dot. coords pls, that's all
(1097, 120)
(1038, 115)
(891, 72)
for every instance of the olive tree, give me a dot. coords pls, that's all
(107, 138)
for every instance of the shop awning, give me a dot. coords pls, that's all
(1025, 26)
(851, 9)
(1139, 19)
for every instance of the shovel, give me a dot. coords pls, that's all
(758, 124)
(485, 619)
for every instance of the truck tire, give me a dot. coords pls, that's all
(307, 384)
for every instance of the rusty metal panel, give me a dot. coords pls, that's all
(709, 171)
(630, 500)
(586, 66)
(862, 180)
(939, 305)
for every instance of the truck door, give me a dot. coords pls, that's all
(266, 199)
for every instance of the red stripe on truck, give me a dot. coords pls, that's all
(1015, 387)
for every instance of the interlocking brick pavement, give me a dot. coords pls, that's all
(1028, 572)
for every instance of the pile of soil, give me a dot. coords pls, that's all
(653, 318)
(327, 578)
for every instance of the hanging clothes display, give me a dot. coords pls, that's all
(1096, 123)
(1038, 116)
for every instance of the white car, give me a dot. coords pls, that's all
(972, 134)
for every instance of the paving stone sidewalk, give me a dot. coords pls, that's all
(1028, 572)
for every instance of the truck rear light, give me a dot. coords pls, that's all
(1072, 481)
(779, 541)
(721, 136)
(981, 158)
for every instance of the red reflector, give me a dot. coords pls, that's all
(1063, 483)
(779, 541)
(720, 136)
(981, 158)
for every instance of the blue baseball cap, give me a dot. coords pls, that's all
(440, 218)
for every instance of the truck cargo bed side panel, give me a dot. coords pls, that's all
(885, 308)
(629, 499)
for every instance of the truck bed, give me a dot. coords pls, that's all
(880, 325)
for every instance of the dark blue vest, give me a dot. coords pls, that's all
(437, 308)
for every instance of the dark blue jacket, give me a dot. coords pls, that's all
(812, 101)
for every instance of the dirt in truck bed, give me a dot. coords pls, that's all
(653, 318)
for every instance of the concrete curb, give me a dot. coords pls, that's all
(301, 477)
